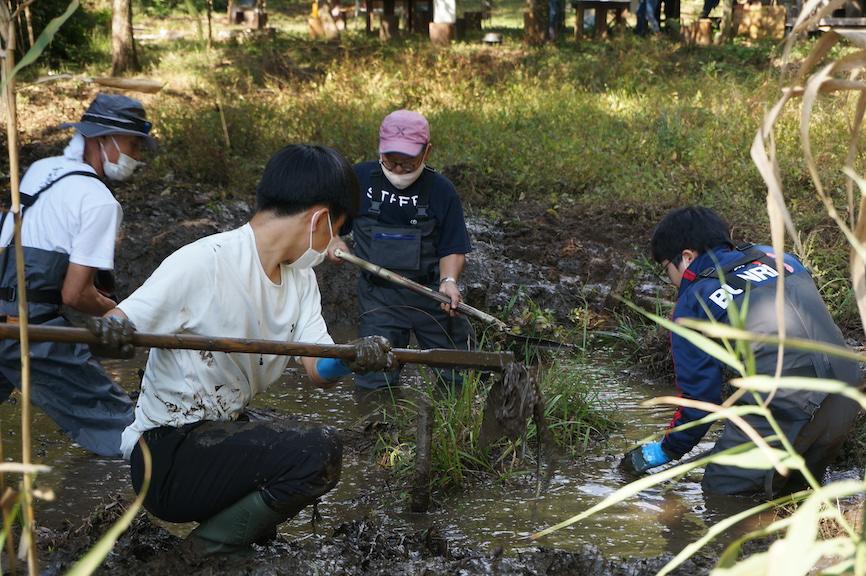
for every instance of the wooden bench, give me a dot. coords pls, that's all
(601, 8)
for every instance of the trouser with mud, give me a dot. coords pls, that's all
(396, 313)
(73, 389)
(817, 437)
(238, 479)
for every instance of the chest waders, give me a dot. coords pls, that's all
(815, 423)
(67, 382)
(393, 311)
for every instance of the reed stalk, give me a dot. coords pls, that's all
(27, 541)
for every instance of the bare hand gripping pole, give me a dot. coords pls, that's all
(431, 357)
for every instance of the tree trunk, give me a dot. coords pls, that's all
(123, 55)
(535, 22)
(209, 4)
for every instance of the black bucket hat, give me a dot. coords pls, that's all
(114, 114)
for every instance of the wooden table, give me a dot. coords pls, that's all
(601, 8)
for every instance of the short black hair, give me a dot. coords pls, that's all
(302, 175)
(691, 228)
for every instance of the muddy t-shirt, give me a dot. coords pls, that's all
(217, 287)
(399, 206)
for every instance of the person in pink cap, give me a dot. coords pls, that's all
(411, 222)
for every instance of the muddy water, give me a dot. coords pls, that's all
(486, 516)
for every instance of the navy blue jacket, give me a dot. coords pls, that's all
(699, 376)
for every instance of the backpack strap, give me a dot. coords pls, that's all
(378, 180)
(10, 293)
(28, 200)
(748, 255)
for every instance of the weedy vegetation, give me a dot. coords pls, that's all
(577, 417)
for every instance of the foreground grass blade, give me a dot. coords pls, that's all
(42, 42)
(712, 348)
(768, 383)
(90, 562)
(811, 510)
(745, 456)
(719, 330)
(800, 549)
(719, 528)
(723, 414)
(754, 564)
(24, 468)
(736, 420)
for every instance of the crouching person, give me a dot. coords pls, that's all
(241, 479)
(694, 247)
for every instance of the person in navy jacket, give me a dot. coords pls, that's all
(713, 276)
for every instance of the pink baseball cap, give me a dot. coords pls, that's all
(404, 132)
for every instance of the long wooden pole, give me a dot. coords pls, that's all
(419, 288)
(14, 180)
(439, 297)
(431, 357)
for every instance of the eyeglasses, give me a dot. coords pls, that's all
(663, 271)
(406, 165)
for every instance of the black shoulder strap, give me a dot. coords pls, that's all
(748, 254)
(30, 199)
(377, 178)
(423, 205)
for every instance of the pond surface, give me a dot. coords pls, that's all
(487, 515)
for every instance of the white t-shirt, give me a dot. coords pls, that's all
(216, 286)
(77, 216)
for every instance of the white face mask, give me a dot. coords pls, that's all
(402, 181)
(120, 170)
(311, 257)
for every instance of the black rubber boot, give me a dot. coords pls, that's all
(232, 530)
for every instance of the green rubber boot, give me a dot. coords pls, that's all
(232, 530)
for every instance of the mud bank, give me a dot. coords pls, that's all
(575, 260)
(366, 546)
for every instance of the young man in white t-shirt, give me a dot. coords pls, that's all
(240, 479)
(69, 229)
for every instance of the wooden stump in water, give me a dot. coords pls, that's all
(420, 492)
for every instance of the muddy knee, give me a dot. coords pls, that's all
(329, 446)
(310, 467)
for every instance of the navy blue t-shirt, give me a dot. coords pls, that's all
(399, 206)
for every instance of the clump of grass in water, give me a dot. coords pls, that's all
(573, 413)
(576, 415)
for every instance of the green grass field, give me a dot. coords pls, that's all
(646, 122)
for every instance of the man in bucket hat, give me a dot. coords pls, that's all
(70, 224)
(410, 221)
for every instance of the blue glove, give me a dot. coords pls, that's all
(642, 458)
(332, 368)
